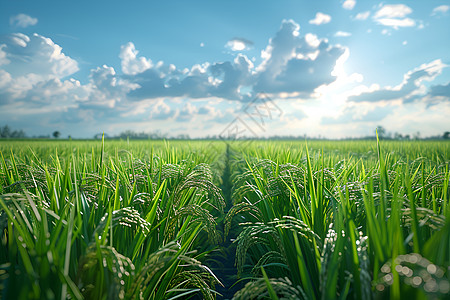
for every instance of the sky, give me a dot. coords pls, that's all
(333, 68)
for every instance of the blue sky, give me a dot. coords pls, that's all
(331, 68)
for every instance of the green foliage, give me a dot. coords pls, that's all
(328, 221)
(103, 225)
(142, 219)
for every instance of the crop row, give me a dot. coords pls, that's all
(318, 221)
(325, 228)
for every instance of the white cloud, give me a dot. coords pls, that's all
(187, 113)
(161, 111)
(406, 108)
(22, 20)
(32, 91)
(442, 9)
(33, 70)
(107, 88)
(320, 19)
(302, 68)
(287, 61)
(312, 40)
(236, 45)
(438, 94)
(210, 112)
(411, 89)
(294, 65)
(36, 55)
(349, 4)
(5, 79)
(396, 23)
(419, 117)
(32, 77)
(362, 16)
(394, 16)
(342, 34)
(3, 59)
(131, 64)
(19, 39)
(404, 119)
(239, 44)
(393, 11)
(221, 79)
(202, 44)
(56, 93)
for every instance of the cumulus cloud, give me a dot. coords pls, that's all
(35, 79)
(36, 55)
(291, 64)
(362, 15)
(22, 20)
(187, 113)
(342, 34)
(55, 93)
(131, 63)
(32, 94)
(440, 91)
(33, 72)
(410, 89)
(295, 64)
(3, 59)
(230, 77)
(440, 10)
(32, 68)
(210, 111)
(349, 4)
(394, 15)
(222, 80)
(320, 19)
(161, 111)
(239, 44)
(107, 88)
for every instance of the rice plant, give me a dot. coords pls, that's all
(160, 220)
(341, 227)
(107, 225)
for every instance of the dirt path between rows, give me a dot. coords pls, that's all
(223, 264)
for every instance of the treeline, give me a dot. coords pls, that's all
(157, 135)
(7, 133)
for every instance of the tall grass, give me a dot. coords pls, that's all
(141, 220)
(102, 224)
(322, 223)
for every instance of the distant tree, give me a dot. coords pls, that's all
(183, 137)
(381, 131)
(56, 134)
(130, 134)
(18, 134)
(446, 135)
(398, 136)
(5, 132)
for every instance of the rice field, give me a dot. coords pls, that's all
(215, 220)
